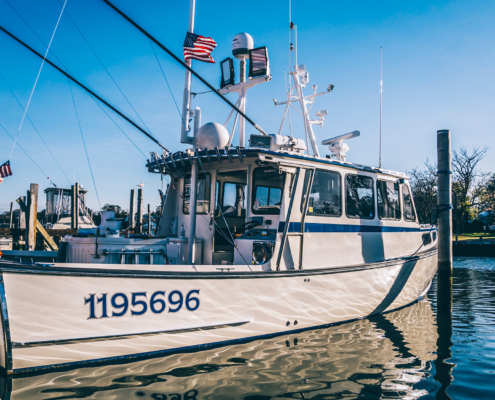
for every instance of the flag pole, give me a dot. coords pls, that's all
(186, 101)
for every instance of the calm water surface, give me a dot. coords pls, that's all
(391, 356)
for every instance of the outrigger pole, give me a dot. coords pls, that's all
(87, 89)
(188, 68)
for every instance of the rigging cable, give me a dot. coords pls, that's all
(36, 130)
(86, 88)
(84, 143)
(36, 81)
(67, 69)
(166, 81)
(105, 68)
(26, 153)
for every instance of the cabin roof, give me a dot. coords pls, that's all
(175, 162)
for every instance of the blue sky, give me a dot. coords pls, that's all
(438, 71)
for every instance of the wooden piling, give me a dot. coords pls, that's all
(444, 278)
(32, 216)
(139, 224)
(444, 200)
(132, 210)
(149, 220)
(74, 218)
(11, 215)
(22, 214)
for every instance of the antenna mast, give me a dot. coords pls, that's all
(186, 101)
(381, 94)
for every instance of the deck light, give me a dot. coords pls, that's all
(258, 62)
(228, 74)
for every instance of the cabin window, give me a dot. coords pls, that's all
(388, 200)
(325, 197)
(203, 194)
(409, 214)
(234, 200)
(360, 202)
(268, 185)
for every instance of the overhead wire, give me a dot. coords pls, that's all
(106, 70)
(37, 78)
(67, 69)
(84, 143)
(166, 81)
(26, 153)
(34, 127)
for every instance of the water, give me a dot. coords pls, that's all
(391, 356)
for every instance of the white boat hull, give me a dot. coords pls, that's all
(47, 315)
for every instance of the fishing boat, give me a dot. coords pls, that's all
(253, 242)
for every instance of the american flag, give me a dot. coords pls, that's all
(5, 170)
(198, 47)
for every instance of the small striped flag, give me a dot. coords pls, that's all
(5, 170)
(198, 47)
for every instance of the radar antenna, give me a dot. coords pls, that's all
(337, 146)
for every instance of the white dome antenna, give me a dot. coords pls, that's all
(337, 146)
(242, 43)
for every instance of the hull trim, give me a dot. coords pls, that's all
(19, 345)
(5, 327)
(139, 274)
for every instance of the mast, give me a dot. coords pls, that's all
(186, 101)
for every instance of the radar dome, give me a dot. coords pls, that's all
(242, 43)
(212, 135)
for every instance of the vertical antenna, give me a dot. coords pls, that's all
(381, 94)
(186, 101)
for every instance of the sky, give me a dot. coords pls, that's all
(438, 73)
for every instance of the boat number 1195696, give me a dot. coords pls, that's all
(138, 303)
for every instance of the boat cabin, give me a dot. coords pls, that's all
(272, 206)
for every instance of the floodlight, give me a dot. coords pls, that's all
(228, 74)
(330, 87)
(258, 62)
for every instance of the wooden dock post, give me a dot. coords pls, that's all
(74, 218)
(444, 201)
(149, 220)
(32, 211)
(132, 210)
(11, 215)
(139, 224)
(444, 278)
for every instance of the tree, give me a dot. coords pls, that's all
(119, 212)
(468, 185)
(424, 189)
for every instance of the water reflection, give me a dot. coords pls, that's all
(385, 356)
(396, 355)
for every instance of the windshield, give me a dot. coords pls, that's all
(268, 185)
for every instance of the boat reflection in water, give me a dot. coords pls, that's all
(388, 355)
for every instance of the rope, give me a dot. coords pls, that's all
(113, 80)
(25, 152)
(36, 130)
(67, 69)
(166, 81)
(36, 81)
(84, 143)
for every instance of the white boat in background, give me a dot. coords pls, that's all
(284, 241)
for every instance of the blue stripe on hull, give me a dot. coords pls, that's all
(331, 228)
